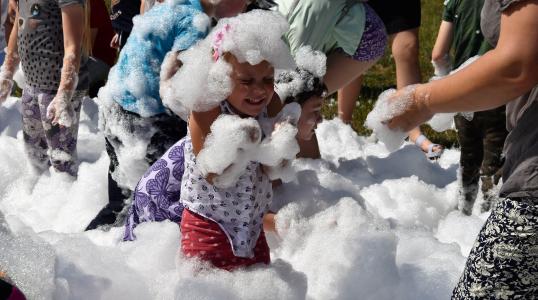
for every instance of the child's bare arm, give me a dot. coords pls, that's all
(199, 126)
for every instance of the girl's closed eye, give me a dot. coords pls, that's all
(269, 80)
(246, 81)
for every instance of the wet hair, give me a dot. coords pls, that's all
(261, 4)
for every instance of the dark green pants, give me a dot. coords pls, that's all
(482, 141)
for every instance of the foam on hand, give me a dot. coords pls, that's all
(226, 149)
(234, 142)
(445, 121)
(384, 110)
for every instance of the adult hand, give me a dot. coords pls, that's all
(115, 42)
(60, 109)
(413, 105)
(310, 117)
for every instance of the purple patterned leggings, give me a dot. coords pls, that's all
(48, 144)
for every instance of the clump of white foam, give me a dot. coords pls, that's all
(203, 81)
(19, 78)
(444, 121)
(311, 65)
(30, 263)
(234, 142)
(384, 110)
(225, 147)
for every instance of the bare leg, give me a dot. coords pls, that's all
(405, 49)
(269, 222)
(347, 99)
(342, 70)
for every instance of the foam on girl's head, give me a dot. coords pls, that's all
(204, 81)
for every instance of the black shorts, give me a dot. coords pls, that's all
(398, 15)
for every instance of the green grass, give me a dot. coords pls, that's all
(383, 76)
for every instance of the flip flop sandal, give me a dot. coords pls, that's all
(430, 154)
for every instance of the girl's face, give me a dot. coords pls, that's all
(253, 86)
(230, 8)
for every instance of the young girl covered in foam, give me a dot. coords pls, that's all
(222, 170)
(51, 41)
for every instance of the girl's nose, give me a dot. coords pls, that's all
(258, 89)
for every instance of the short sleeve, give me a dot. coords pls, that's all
(348, 32)
(449, 12)
(64, 3)
(506, 3)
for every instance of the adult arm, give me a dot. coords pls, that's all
(495, 79)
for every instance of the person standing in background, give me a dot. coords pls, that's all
(503, 263)
(51, 41)
(482, 138)
(402, 21)
(122, 13)
(102, 57)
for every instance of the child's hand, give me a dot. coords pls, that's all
(6, 85)
(252, 131)
(310, 117)
(290, 113)
(170, 65)
(229, 148)
(60, 109)
(115, 42)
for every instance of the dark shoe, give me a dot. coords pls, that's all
(107, 216)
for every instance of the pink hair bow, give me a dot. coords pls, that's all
(217, 41)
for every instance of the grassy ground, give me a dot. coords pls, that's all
(383, 76)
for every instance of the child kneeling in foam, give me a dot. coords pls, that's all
(240, 138)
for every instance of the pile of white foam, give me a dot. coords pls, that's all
(360, 223)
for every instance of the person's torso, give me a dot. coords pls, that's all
(520, 171)
(324, 24)
(100, 20)
(122, 13)
(41, 44)
(468, 40)
(238, 210)
(134, 81)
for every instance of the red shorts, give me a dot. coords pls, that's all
(203, 238)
